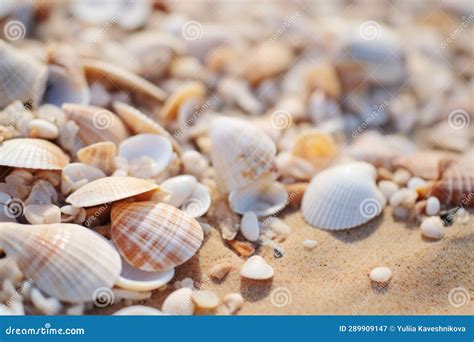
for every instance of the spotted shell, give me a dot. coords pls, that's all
(66, 261)
(342, 197)
(32, 154)
(109, 189)
(154, 237)
(100, 155)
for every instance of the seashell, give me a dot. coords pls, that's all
(224, 218)
(249, 226)
(138, 310)
(264, 199)
(205, 299)
(447, 137)
(117, 76)
(220, 270)
(428, 165)
(43, 129)
(181, 95)
(231, 303)
(66, 261)
(25, 77)
(343, 197)
(154, 237)
(180, 187)
(32, 154)
(109, 189)
(319, 148)
(42, 213)
(194, 163)
(256, 268)
(323, 76)
(240, 152)
(432, 228)
(179, 302)
(380, 274)
(96, 124)
(100, 155)
(75, 175)
(239, 92)
(198, 203)
(242, 248)
(61, 88)
(154, 148)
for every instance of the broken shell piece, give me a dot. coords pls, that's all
(180, 187)
(63, 88)
(109, 189)
(432, 227)
(319, 148)
(32, 154)
(256, 268)
(342, 197)
(181, 95)
(43, 129)
(220, 270)
(231, 303)
(154, 237)
(179, 302)
(249, 226)
(101, 155)
(66, 254)
(205, 299)
(76, 175)
(381, 274)
(242, 248)
(263, 199)
(138, 310)
(42, 192)
(42, 213)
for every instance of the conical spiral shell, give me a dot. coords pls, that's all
(342, 197)
(109, 189)
(32, 154)
(154, 237)
(66, 261)
(100, 155)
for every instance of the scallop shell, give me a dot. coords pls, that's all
(32, 154)
(66, 261)
(22, 78)
(96, 124)
(428, 165)
(75, 175)
(154, 237)
(264, 199)
(109, 189)
(240, 152)
(343, 197)
(100, 155)
(123, 78)
(182, 94)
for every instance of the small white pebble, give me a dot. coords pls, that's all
(249, 226)
(415, 182)
(309, 244)
(388, 188)
(256, 268)
(401, 177)
(381, 274)
(432, 206)
(404, 198)
(432, 227)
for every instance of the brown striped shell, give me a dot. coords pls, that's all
(32, 154)
(100, 155)
(154, 236)
(66, 261)
(109, 189)
(96, 124)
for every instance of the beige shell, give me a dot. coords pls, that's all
(187, 91)
(123, 78)
(240, 152)
(154, 237)
(109, 189)
(317, 147)
(25, 77)
(66, 261)
(428, 165)
(100, 155)
(343, 197)
(96, 124)
(137, 121)
(32, 154)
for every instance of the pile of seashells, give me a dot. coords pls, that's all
(130, 129)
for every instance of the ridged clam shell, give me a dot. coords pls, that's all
(109, 189)
(21, 77)
(66, 261)
(96, 124)
(32, 154)
(154, 237)
(342, 197)
(240, 152)
(100, 155)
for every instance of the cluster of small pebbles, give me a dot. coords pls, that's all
(131, 130)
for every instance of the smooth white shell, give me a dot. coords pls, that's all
(180, 188)
(381, 274)
(198, 203)
(432, 227)
(342, 197)
(179, 302)
(249, 226)
(256, 268)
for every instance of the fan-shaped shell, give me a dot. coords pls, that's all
(32, 154)
(100, 155)
(66, 261)
(342, 197)
(240, 152)
(154, 237)
(109, 189)
(21, 77)
(96, 124)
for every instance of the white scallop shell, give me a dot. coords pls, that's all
(343, 197)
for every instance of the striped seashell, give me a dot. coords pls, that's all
(181, 95)
(428, 165)
(240, 152)
(101, 155)
(118, 76)
(96, 124)
(109, 189)
(21, 77)
(32, 154)
(343, 197)
(66, 261)
(154, 236)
